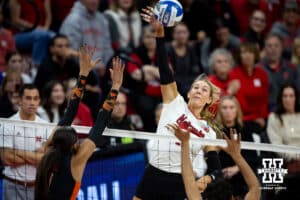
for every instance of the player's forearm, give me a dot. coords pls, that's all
(166, 75)
(11, 158)
(30, 157)
(72, 108)
(48, 22)
(188, 174)
(34, 158)
(23, 23)
(103, 116)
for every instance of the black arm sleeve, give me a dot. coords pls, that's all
(72, 108)
(166, 75)
(96, 132)
(102, 119)
(214, 167)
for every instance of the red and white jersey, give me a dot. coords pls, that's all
(166, 154)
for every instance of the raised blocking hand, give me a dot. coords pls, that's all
(116, 73)
(86, 63)
(181, 134)
(233, 144)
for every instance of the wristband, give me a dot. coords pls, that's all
(216, 175)
(80, 86)
(110, 101)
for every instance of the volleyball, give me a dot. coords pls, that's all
(168, 12)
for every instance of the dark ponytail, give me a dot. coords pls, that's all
(62, 142)
(44, 171)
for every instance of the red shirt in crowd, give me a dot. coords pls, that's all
(28, 12)
(61, 9)
(222, 84)
(7, 44)
(83, 116)
(254, 92)
(242, 9)
(152, 88)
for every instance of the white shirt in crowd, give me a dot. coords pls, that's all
(43, 115)
(23, 138)
(287, 133)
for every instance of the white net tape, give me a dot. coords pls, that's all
(149, 136)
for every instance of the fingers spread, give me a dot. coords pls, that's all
(97, 61)
(169, 127)
(150, 9)
(92, 51)
(111, 71)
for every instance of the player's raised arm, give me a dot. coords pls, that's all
(86, 65)
(234, 150)
(167, 82)
(188, 175)
(95, 137)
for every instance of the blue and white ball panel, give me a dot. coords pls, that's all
(168, 12)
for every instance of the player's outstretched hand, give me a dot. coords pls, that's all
(86, 63)
(116, 73)
(233, 147)
(181, 134)
(148, 16)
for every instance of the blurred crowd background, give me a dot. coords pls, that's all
(248, 48)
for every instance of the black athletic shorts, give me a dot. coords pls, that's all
(160, 185)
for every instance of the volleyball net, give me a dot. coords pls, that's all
(114, 172)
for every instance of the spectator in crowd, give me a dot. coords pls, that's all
(9, 98)
(83, 116)
(242, 9)
(18, 148)
(14, 62)
(253, 89)
(221, 63)
(183, 59)
(222, 9)
(221, 38)
(296, 53)
(60, 10)
(86, 25)
(230, 117)
(60, 65)
(256, 31)
(207, 9)
(288, 28)
(215, 188)
(23, 17)
(200, 10)
(125, 25)
(279, 70)
(54, 102)
(283, 123)
(143, 79)
(283, 129)
(295, 60)
(120, 119)
(7, 42)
